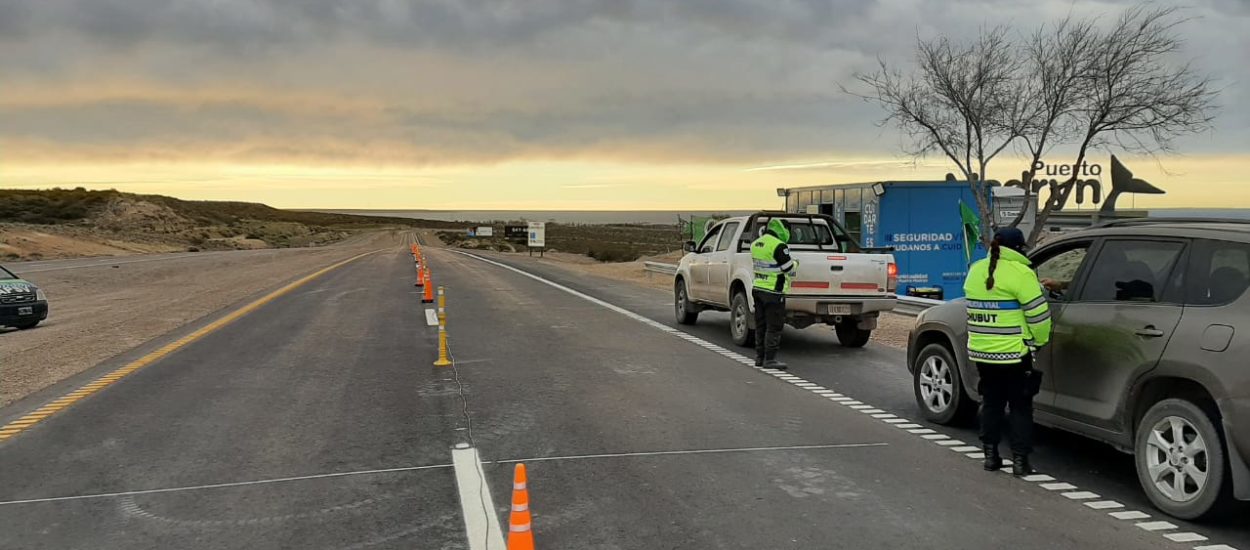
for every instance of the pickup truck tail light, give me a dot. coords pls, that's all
(891, 277)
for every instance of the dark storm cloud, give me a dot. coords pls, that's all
(488, 80)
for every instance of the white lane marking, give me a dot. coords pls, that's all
(977, 455)
(884, 415)
(223, 485)
(431, 317)
(481, 522)
(859, 407)
(965, 449)
(950, 442)
(1184, 537)
(1156, 525)
(935, 437)
(1081, 495)
(1035, 478)
(872, 411)
(727, 353)
(1129, 514)
(909, 426)
(921, 431)
(1215, 547)
(1104, 504)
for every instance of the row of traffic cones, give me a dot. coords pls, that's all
(423, 275)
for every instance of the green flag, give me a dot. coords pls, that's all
(972, 230)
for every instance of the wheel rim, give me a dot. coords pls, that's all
(1176, 459)
(681, 302)
(739, 318)
(937, 384)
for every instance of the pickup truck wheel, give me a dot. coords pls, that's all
(1180, 460)
(850, 335)
(939, 387)
(684, 310)
(740, 320)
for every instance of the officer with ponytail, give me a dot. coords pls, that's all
(1008, 319)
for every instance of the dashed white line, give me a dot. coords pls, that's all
(481, 521)
(431, 317)
(1044, 481)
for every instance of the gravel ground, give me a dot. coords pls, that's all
(99, 312)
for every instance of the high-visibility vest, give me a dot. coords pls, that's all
(768, 273)
(1007, 322)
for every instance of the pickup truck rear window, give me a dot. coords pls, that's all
(809, 235)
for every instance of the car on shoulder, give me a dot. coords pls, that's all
(1151, 331)
(22, 304)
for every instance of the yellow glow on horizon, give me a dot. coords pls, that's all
(1190, 181)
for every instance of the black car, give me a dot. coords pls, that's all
(22, 304)
(1148, 354)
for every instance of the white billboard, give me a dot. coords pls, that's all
(486, 231)
(538, 234)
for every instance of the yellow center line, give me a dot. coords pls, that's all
(22, 424)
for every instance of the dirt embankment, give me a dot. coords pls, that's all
(99, 312)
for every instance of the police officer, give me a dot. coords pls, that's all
(1008, 318)
(773, 270)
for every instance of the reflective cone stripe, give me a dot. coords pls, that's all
(429, 289)
(520, 535)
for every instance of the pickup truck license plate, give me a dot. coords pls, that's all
(838, 309)
(28, 310)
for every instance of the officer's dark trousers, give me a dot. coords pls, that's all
(770, 318)
(1003, 387)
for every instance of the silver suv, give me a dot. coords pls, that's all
(1146, 354)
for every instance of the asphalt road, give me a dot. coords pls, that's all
(317, 421)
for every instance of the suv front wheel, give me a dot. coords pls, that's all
(1180, 459)
(939, 388)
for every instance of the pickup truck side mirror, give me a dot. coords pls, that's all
(688, 246)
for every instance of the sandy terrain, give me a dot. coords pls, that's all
(99, 312)
(892, 329)
(50, 242)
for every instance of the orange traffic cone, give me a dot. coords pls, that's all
(420, 274)
(428, 298)
(520, 537)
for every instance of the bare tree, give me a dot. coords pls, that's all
(1131, 97)
(962, 102)
(1070, 83)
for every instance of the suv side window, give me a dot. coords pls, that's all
(726, 236)
(709, 241)
(1061, 266)
(1219, 272)
(1131, 271)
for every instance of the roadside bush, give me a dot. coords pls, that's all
(614, 254)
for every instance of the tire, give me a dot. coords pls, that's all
(739, 320)
(939, 388)
(683, 308)
(1167, 466)
(850, 335)
(26, 325)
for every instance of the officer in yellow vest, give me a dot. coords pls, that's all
(773, 270)
(1008, 318)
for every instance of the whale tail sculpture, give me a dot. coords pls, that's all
(1122, 181)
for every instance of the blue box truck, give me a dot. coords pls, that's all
(919, 219)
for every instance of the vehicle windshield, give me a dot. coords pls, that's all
(813, 234)
(6, 275)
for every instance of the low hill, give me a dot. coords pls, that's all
(75, 222)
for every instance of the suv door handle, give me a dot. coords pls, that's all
(1149, 332)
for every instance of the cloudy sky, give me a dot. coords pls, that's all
(560, 104)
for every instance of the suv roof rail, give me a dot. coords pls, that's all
(1152, 221)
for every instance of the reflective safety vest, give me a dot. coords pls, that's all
(769, 275)
(1008, 321)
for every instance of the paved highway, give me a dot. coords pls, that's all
(316, 420)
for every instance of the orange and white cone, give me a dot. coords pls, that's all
(520, 536)
(420, 274)
(428, 298)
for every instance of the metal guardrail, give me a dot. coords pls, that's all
(660, 267)
(907, 305)
(912, 306)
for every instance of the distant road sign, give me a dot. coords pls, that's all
(516, 233)
(486, 231)
(538, 234)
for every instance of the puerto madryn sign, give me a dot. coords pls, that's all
(1051, 176)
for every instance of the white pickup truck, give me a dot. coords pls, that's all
(837, 283)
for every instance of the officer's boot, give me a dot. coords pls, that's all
(993, 460)
(1020, 465)
(775, 364)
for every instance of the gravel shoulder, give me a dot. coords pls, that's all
(100, 312)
